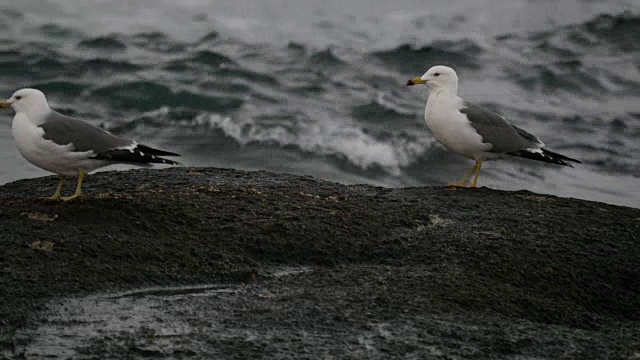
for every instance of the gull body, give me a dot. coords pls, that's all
(473, 131)
(47, 155)
(453, 131)
(68, 146)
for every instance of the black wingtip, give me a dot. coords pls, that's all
(168, 162)
(546, 156)
(560, 156)
(138, 155)
(153, 151)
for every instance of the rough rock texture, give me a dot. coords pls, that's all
(202, 262)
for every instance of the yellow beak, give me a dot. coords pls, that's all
(4, 104)
(416, 81)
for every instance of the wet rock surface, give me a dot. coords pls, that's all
(204, 262)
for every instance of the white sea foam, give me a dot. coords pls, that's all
(325, 137)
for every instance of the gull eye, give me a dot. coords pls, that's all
(436, 74)
(18, 97)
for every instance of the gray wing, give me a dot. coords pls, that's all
(63, 130)
(495, 130)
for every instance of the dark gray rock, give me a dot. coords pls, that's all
(202, 262)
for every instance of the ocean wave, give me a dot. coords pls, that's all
(620, 32)
(208, 39)
(302, 61)
(53, 30)
(225, 87)
(407, 58)
(39, 62)
(103, 43)
(354, 144)
(147, 95)
(325, 58)
(8, 16)
(157, 42)
(209, 58)
(35, 60)
(552, 77)
(586, 59)
(605, 159)
(101, 66)
(114, 43)
(205, 62)
(382, 110)
(613, 145)
(248, 75)
(64, 88)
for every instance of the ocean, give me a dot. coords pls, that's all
(317, 87)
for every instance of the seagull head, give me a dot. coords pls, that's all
(27, 101)
(438, 77)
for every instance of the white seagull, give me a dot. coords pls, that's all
(473, 131)
(68, 146)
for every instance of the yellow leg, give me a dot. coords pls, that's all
(78, 187)
(474, 171)
(477, 168)
(465, 181)
(56, 196)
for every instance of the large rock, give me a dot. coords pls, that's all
(202, 262)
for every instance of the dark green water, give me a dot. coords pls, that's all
(317, 87)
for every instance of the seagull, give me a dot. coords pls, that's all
(473, 131)
(68, 146)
